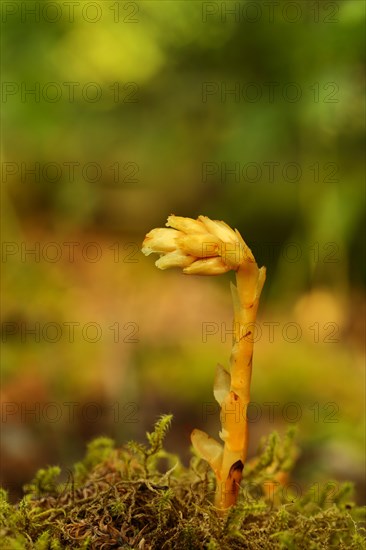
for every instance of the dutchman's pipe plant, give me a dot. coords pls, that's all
(211, 247)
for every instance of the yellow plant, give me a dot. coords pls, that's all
(211, 247)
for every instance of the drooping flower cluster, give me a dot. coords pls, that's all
(200, 247)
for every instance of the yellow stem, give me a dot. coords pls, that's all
(234, 408)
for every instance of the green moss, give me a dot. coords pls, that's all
(140, 496)
(45, 481)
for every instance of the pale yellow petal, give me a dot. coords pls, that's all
(201, 245)
(209, 266)
(160, 240)
(187, 225)
(177, 258)
(219, 229)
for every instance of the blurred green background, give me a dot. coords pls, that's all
(117, 114)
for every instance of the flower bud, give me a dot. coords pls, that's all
(219, 229)
(209, 266)
(177, 258)
(160, 240)
(201, 245)
(186, 225)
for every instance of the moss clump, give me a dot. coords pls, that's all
(141, 497)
